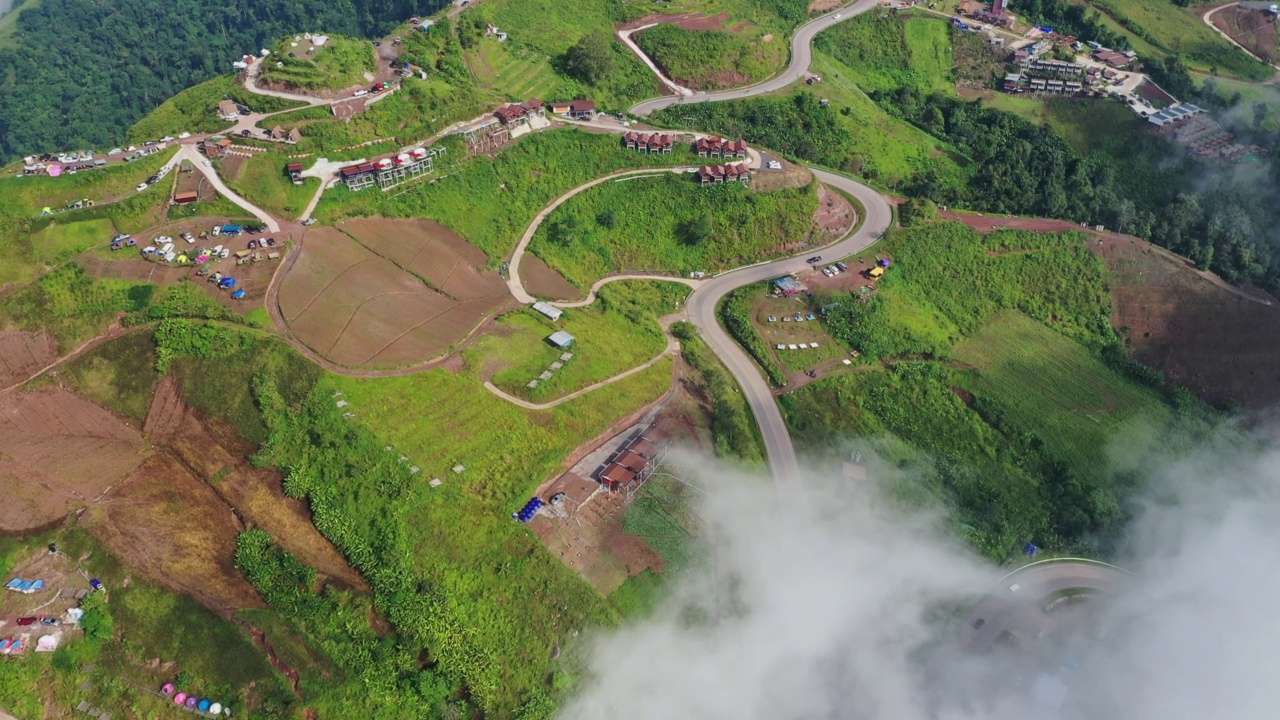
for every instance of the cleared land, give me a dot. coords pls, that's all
(360, 308)
(58, 452)
(1191, 326)
(23, 353)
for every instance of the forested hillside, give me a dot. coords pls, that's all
(78, 73)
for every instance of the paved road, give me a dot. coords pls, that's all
(801, 58)
(1035, 583)
(192, 155)
(702, 312)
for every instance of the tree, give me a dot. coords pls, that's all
(607, 219)
(565, 230)
(1260, 110)
(97, 621)
(694, 231)
(591, 59)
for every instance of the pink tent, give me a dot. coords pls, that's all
(179, 698)
(54, 170)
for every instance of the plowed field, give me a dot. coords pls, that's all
(24, 353)
(405, 293)
(59, 452)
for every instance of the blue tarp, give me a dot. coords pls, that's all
(231, 228)
(227, 283)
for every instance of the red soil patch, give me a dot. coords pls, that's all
(1216, 340)
(24, 353)
(540, 280)
(360, 309)
(129, 267)
(431, 251)
(1251, 28)
(59, 452)
(688, 21)
(835, 214)
(986, 224)
(824, 5)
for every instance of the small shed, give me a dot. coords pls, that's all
(186, 197)
(560, 339)
(788, 286)
(548, 309)
(615, 476)
(228, 109)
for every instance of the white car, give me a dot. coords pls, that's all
(166, 138)
(184, 136)
(775, 165)
(131, 148)
(142, 186)
(217, 229)
(837, 16)
(115, 151)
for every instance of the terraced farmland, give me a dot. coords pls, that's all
(517, 74)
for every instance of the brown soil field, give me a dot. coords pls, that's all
(216, 455)
(172, 527)
(130, 267)
(59, 452)
(835, 215)
(594, 544)
(1213, 339)
(1251, 28)
(23, 353)
(360, 309)
(431, 251)
(197, 182)
(540, 280)
(688, 21)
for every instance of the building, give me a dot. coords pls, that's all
(295, 172)
(787, 286)
(1173, 114)
(720, 148)
(535, 107)
(649, 142)
(733, 172)
(1114, 59)
(228, 110)
(582, 109)
(391, 170)
(997, 7)
(560, 339)
(549, 310)
(185, 198)
(508, 114)
(615, 477)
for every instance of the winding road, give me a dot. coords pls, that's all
(801, 58)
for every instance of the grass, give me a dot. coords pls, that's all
(513, 72)
(1075, 403)
(664, 517)
(119, 375)
(263, 181)
(1245, 96)
(712, 59)
(27, 196)
(60, 242)
(887, 51)
(518, 182)
(1179, 31)
(616, 334)
(341, 63)
(195, 109)
(72, 306)
(648, 224)
(505, 600)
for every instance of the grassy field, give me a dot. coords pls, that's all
(886, 51)
(341, 63)
(617, 333)
(263, 181)
(713, 59)
(512, 72)
(72, 306)
(520, 181)
(648, 223)
(502, 601)
(58, 243)
(1045, 381)
(1180, 31)
(195, 109)
(1245, 96)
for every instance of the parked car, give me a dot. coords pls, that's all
(27, 621)
(246, 133)
(184, 136)
(827, 271)
(271, 242)
(166, 138)
(116, 151)
(153, 179)
(814, 260)
(775, 165)
(50, 621)
(842, 266)
(141, 187)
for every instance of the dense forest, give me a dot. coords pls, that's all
(77, 73)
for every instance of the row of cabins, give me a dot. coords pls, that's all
(389, 171)
(1016, 83)
(719, 147)
(733, 172)
(520, 112)
(649, 142)
(635, 461)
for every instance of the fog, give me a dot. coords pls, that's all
(837, 603)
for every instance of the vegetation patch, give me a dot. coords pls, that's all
(618, 332)
(669, 222)
(195, 109)
(299, 64)
(263, 181)
(711, 59)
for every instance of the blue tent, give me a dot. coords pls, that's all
(237, 295)
(227, 283)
